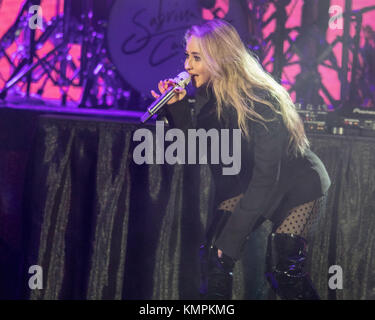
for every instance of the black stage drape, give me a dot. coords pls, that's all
(103, 227)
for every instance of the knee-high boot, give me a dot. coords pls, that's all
(285, 265)
(216, 273)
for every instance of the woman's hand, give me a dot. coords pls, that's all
(163, 85)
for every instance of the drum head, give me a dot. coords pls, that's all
(146, 38)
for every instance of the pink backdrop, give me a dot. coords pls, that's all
(10, 8)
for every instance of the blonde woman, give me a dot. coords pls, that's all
(280, 179)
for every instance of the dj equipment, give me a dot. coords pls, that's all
(360, 122)
(315, 118)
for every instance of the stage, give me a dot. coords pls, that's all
(73, 201)
(80, 219)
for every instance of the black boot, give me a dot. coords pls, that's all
(285, 265)
(216, 273)
(218, 279)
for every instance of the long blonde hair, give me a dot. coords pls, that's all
(237, 78)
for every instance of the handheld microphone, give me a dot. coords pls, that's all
(182, 80)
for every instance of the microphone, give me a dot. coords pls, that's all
(182, 80)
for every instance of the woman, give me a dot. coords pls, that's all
(281, 179)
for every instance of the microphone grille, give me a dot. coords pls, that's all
(183, 79)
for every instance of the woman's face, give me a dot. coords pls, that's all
(194, 63)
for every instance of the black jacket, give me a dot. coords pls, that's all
(268, 173)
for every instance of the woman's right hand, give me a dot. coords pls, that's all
(163, 85)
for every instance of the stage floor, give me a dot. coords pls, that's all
(55, 107)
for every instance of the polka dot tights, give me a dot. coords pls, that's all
(300, 220)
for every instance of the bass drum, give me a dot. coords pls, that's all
(145, 39)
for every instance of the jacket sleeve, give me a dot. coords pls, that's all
(178, 114)
(270, 145)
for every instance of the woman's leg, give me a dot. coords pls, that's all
(216, 266)
(216, 272)
(300, 220)
(287, 253)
